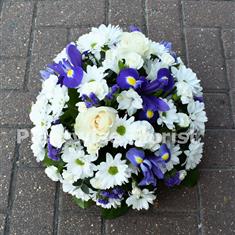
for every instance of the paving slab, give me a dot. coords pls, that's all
(33, 206)
(205, 57)
(164, 22)
(15, 28)
(71, 12)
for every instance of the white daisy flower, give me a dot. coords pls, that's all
(130, 101)
(198, 116)
(187, 83)
(111, 173)
(140, 199)
(53, 173)
(194, 154)
(169, 117)
(111, 34)
(115, 203)
(78, 163)
(120, 133)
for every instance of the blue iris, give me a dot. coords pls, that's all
(151, 166)
(69, 71)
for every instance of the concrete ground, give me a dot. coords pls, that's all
(33, 32)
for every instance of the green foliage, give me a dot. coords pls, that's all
(114, 213)
(49, 162)
(83, 204)
(70, 114)
(191, 178)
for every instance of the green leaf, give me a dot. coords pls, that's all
(83, 204)
(121, 64)
(49, 162)
(70, 114)
(191, 178)
(114, 213)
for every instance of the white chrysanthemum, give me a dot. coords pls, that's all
(39, 140)
(152, 68)
(183, 120)
(115, 203)
(167, 59)
(175, 152)
(198, 116)
(92, 42)
(130, 101)
(94, 82)
(61, 56)
(187, 83)
(78, 163)
(58, 135)
(111, 173)
(110, 33)
(40, 111)
(155, 48)
(194, 154)
(53, 173)
(169, 117)
(143, 134)
(121, 132)
(140, 199)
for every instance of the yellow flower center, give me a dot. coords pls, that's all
(131, 80)
(139, 160)
(150, 113)
(70, 73)
(165, 156)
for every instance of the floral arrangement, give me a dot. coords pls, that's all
(118, 114)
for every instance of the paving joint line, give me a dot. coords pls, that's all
(12, 187)
(184, 32)
(30, 45)
(56, 209)
(227, 78)
(199, 205)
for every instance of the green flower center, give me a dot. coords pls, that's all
(121, 130)
(79, 162)
(113, 170)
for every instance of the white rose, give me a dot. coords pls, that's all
(99, 88)
(184, 120)
(53, 173)
(132, 59)
(134, 42)
(167, 59)
(94, 124)
(58, 135)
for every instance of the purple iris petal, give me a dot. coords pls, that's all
(90, 100)
(148, 115)
(75, 79)
(199, 98)
(128, 78)
(172, 181)
(135, 156)
(161, 105)
(148, 175)
(157, 163)
(53, 153)
(74, 55)
(103, 201)
(45, 74)
(167, 45)
(114, 89)
(164, 81)
(134, 28)
(165, 153)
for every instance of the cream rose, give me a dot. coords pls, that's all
(94, 124)
(132, 59)
(134, 42)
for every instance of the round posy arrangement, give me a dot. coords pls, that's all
(117, 115)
